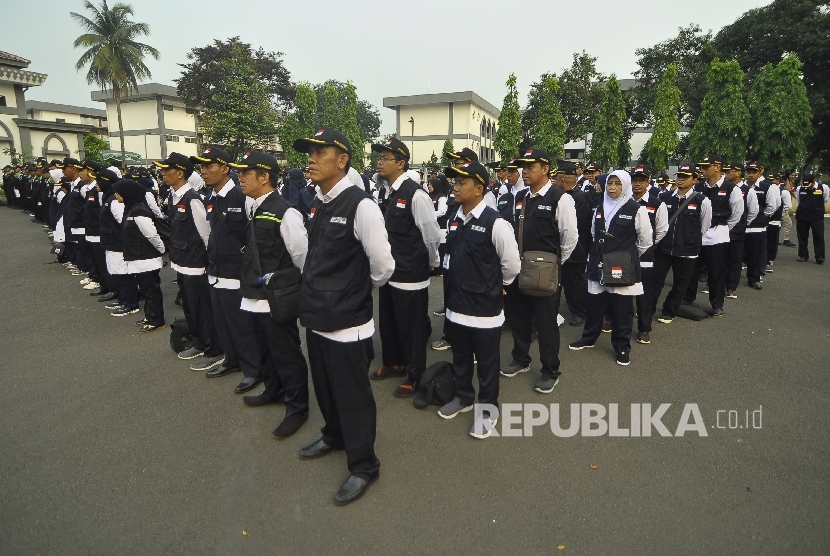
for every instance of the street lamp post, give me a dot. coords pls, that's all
(412, 134)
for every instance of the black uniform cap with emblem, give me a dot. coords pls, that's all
(592, 167)
(474, 170)
(106, 176)
(711, 159)
(212, 154)
(497, 166)
(72, 162)
(392, 145)
(686, 169)
(56, 163)
(533, 155)
(641, 169)
(178, 161)
(566, 168)
(325, 137)
(662, 178)
(464, 154)
(257, 160)
(92, 166)
(808, 177)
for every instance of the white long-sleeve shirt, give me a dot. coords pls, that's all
(197, 209)
(661, 225)
(148, 228)
(565, 220)
(642, 225)
(751, 205)
(771, 204)
(504, 240)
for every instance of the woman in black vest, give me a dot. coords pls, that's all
(620, 225)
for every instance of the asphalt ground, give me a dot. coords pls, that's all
(110, 445)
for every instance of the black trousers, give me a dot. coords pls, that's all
(284, 369)
(85, 258)
(772, 242)
(403, 330)
(802, 230)
(574, 280)
(126, 288)
(199, 314)
(545, 310)
(150, 285)
(756, 256)
(340, 374)
(736, 258)
(236, 331)
(10, 195)
(621, 311)
(644, 303)
(72, 253)
(682, 269)
(101, 266)
(716, 260)
(483, 343)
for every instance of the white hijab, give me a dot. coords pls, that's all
(354, 177)
(611, 206)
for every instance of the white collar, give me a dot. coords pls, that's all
(259, 200)
(227, 189)
(542, 192)
(399, 181)
(339, 188)
(178, 194)
(475, 213)
(717, 183)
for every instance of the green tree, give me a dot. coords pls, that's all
(331, 107)
(115, 58)
(298, 123)
(93, 147)
(551, 126)
(509, 132)
(350, 128)
(530, 114)
(433, 163)
(447, 148)
(368, 117)
(608, 127)
(723, 125)
(580, 93)
(664, 140)
(24, 156)
(241, 114)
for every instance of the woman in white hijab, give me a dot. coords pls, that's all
(620, 225)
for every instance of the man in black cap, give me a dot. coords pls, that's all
(469, 155)
(73, 215)
(8, 188)
(590, 185)
(189, 235)
(507, 205)
(580, 174)
(768, 199)
(574, 276)
(659, 219)
(501, 177)
(809, 216)
(348, 255)
(737, 235)
(727, 208)
(228, 219)
(482, 258)
(414, 235)
(547, 223)
(98, 280)
(275, 252)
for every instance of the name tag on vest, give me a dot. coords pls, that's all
(625, 216)
(478, 228)
(543, 207)
(232, 209)
(338, 220)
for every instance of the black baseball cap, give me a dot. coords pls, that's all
(325, 136)
(106, 176)
(212, 154)
(512, 165)
(464, 154)
(257, 159)
(56, 163)
(662, 178)
(754, 165)
(739, 166)
(686, 169)
(92, 166)
(711, 159)
(72, 162)
(533, 155)
(393, 145)
(641, 169)
(808, 177)
(566, 168)
(579, 164)
(469, 170)
(592, 167)
(178, 161)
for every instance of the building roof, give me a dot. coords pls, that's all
(441, 98)
(8, 59)
(65, 108)
(145, 90)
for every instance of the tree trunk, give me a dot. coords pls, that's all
(116, 93)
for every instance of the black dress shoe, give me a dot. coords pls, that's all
(109, 296)
(577, 321)
(247, 383)
(261, 399)
(222, 370)
(315, 449)
(97, 291)
(290, 425)
(352, 489)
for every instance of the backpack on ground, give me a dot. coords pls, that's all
(437, 386)
(180, 335)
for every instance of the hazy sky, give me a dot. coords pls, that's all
(384, 48)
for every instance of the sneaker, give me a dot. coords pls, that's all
(755, 285)
(704, 290)
(731, 294)
(743, 267)
(453, 408)
(579, 344)
(623, 358)
(513, 369)
(190, 353)
(142, 322)
(717, 312)
(79, 273)
(606, 325)
(124, 311)
(150, 327)
(92, 286)
(441, 345)
(643, 338)
(788, 243)
(205, 363)
(761, 279)
(114, 305)
(85, 281)
(703, 277)
(665, 319)
(819, 261)
(768, 269)
(546, 384)
(439, 312)
(802, 259)
(483, 428)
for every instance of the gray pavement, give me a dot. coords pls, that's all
(110, 445)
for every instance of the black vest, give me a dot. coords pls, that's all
(739, 231)
(136, 246)
(719, 197)
(408, 249)
(652, 203)
(108, 227)
(810, 203)
(506, 207)
(541, 233)
(776, 216)
(452, 208)
(761, 190)
(74, 215)
(474, 279)
(186, 246)
(683, 238)
(228, 221)
(583, 224)
(92, 212)
(264, 229)
(337, 284)
(623, 238)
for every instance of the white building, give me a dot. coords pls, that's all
(424, 122)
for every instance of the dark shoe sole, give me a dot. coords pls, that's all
(391, 374)
(359, 496)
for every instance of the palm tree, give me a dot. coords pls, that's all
(115, 59)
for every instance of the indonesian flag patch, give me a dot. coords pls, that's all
(519, 205)
(401, 203)
(181, 208)
(209, 208)
(311, 214)
(692, 206)
(453, 226)
(650, 209)
(616, 272)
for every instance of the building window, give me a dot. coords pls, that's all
(60, 120)
(167, 107)
(189, 139)
(191, 111)
(2, 100)
(173, 138)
